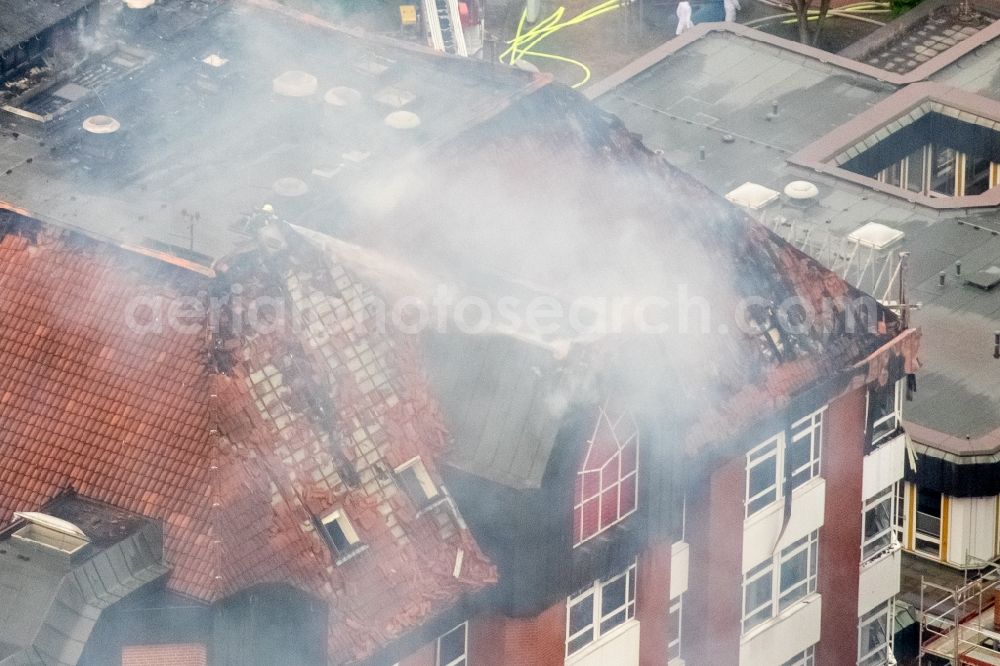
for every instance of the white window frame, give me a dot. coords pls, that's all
(896, 415)
(595, 592)
(868, 554)
(354, 546)
(805, 658)
(811, 427)
(427, 486)
(877, 656)
(578, 537)
(776, 448)
(464, 658)
(772, 448)
(674, 644)
(778, 602)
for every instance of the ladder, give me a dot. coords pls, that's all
(445, 24)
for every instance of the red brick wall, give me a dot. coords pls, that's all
(653, 603)
(712, 614)
(501, 641)
(840, 538)
(181, 654)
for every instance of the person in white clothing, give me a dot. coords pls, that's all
(732, 6)
(683, 16)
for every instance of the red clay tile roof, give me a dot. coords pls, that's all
(183, 654)
(236, 438)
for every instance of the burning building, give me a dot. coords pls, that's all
(335, 478)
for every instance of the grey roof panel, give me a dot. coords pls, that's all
(49, 602)
(23, 20)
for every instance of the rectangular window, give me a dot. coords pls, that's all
(874, 638)
(885, 407)
(599, 608)
(928, 526)
(778, 583)
(453, 646)
(916, 171)
(803, 451)
(805, 658)
(877, 525)
(943, 171)
(763, 464)
(417, 483)
(977, 175)
(900, 522)
(675, 624)
(340, 533)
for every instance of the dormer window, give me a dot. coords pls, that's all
(417, 483)
(342, 536)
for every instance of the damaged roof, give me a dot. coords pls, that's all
(238, 437)
(202, 145)
(24, 20)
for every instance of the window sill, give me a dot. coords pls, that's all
(432, 504)
(583, 652)
(887, 552)
(351, 554)
(778, 504)
(788, 612)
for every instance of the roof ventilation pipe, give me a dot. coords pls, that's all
(102, 137)
(801, 193)
(137, 14)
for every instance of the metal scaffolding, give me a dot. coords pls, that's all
(957, 623)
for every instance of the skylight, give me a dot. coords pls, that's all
(51, 532)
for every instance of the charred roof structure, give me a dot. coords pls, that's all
(279, 430)
(32, 31)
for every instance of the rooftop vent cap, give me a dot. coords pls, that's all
(101, 125)
(402, 120)
(342, 96)
(214, 60)
(290, 187)
(51, 532)
(801, 190)
(294, 83)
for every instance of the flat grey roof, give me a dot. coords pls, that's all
(192, 156)
(724, 83)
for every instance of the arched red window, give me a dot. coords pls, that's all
(607, 482)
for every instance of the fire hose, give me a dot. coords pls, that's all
(524, 41)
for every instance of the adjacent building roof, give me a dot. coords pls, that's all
(50, 601)
(715, 90)
(200, 145)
